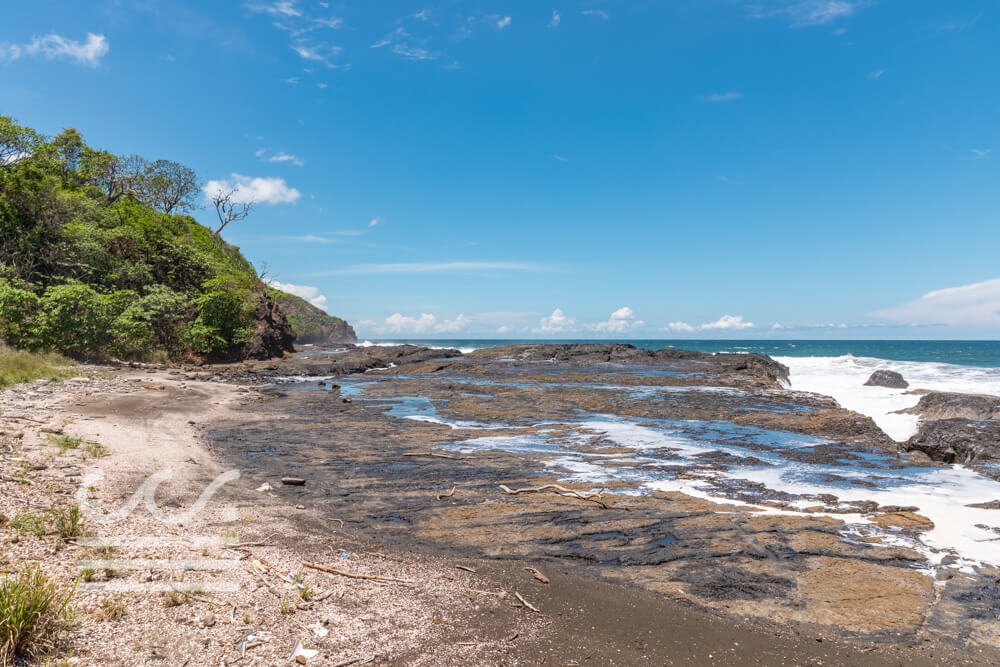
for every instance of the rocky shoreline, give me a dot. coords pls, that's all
(416, 461)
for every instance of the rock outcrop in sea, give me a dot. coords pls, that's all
(884, 378)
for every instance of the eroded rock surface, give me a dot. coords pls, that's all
(885, 378)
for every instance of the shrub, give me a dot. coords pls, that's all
(32, 613)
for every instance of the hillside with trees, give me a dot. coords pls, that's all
(312, 324)
(99, 259)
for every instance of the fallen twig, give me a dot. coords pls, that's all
(356, 661)
(537, 575)
(265, 582)
(561, 490)
(463, 567)
(526, 603)
(351, 575)
(446, 495)
(437, 455)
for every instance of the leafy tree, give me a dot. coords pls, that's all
(17, 142)
(169, 187)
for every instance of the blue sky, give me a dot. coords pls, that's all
(765, 168)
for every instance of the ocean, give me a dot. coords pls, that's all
(839, 368)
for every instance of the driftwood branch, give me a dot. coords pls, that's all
(449, 494)
(526, 603)
(351, 575)
(561, 490)
(437, 455)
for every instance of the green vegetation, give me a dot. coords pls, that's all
(68, 521)
(64, 443)
(97, 259)
(311, 324)
(17, 366)
(33, 610)
(28, 523)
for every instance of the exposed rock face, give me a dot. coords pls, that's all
(958, 440)
(884, 378)
(945, 405)
(758, 368)
(273, 335)
(311, 324)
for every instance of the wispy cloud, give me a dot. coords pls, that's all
(722, 98)
(405, 45)
(560, 158)
(307, 28)
(266, 155)
(503, 22)
(56, 47)
(374, 222)
(980, 153)
(596, 13)
(439, 267)
(807, 13)
(260, 190)
(556, 19)
(724, 323)
(973, 304)
(877, 74)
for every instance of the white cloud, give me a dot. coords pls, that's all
(266, 155)
(620, 321)
(556, 19)
(398, 323)
(504, 328)
(281, 8)
(877, 74)
(555, 323)
(503, 22)
(460, 323)
(716, 98)
(560, 158)
(260, 190)
(974, 304)
(682, 327)
(374, 222)
(57, 47)
(728, 322)
(307, 292)
(980, 153)
(320, 53)
(599, 13)
(807, 13)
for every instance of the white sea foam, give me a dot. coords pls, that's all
(388, 343)
(844, 377)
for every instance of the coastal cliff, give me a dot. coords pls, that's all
(312, 325)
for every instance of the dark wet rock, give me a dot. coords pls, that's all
(991, 505)
(272, 334)
(947, 405)
(757, 369)
(958, 440)
(884, 378)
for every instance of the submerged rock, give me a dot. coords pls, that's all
(947, 405)
(958, 440)
(884, 378)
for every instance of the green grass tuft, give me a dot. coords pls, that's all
(65, 442)
(33, 611)
(17, 367)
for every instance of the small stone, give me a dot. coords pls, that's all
(293, 481)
